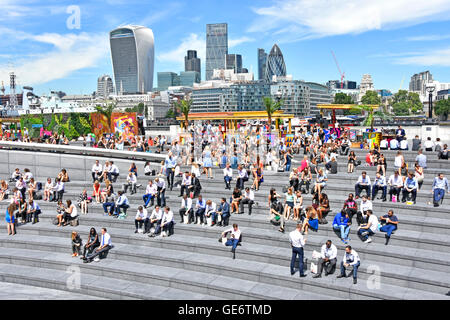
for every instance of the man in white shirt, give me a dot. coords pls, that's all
(364, 206)
(161, 192)
(396, 184)
(186, 209)
(394, 144)
(234, 239)
(384, 144)
(150, 194)
(297, 243)
(351, 258)
(16, 174)
(368, 229)
(363, 183)
(140, 219)
(121, 203)
(59, 188)
(102, 250)
(248, 197)
(185, 183)
(97, 171)
(328, 254)
(113, 172)
(167, 222)
(21, 186)
(210, 210)
(242, 177)
(155, 218)
(227, 176)
(131, 182)
(428, 144)
(404, 144)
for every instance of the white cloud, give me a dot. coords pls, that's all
(305, 19)
(235, 42)
(437, 57)
(192, 42)
(431, 37)
(72, 52)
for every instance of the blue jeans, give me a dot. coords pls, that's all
(438, 195)
(147, 198)
(388, 228)
(232, 242)
(200, 213)
(112, 206)
(122, 206)
(288, 167)
(366, 236)
(297, 251)
(227, 180)
(345, 230)
(355, 269)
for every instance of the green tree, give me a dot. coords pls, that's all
(404, 103)
(107, 112)
(371, 97)
(342, 98)
(271, 107)
(184, 106)
(442, 108)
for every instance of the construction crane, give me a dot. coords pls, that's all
(339, 69)
(401, 84)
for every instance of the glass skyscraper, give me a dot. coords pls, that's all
(262, 61)
(216, 47)
(275, 65)
(167, 79)
(234, 62)
(132, 53)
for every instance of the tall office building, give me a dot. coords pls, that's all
(234, 62)
(191, 62)
(132, 53)
(275, 65)
(188, 78)
(216, 47)
(104, 86)
(262, 61)
(419, 82)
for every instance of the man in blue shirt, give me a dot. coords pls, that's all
(342, 222)
(390, 226)
(410, 187)
(440, 183)
(421, 159)
(224, 211)
(379, 184)
(171, 163)
(200, 210)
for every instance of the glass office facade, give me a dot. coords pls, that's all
(216, 47)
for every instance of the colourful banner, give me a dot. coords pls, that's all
(125, 124)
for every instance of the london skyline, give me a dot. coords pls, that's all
(391, 45)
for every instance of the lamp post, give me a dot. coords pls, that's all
(430, 90)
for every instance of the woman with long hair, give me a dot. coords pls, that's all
(48, 189)
(107, 190)
(76, 244)
(32, 187)
(10, 219)
(96, 192)
(236, 199)
(418, 173)
(351, 162)
(92, 243)
(324, 208)
(4, 191)
(311, 220)
(83, 202)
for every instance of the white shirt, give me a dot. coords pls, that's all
(186, 204)
(142, 214)
(383, 144)
(97, 168)
(330, 253)
(365, 205)
(60, 186)
(74, 211)
(106, 239)
(186, 181)
(351, 258)
(236, 234)
(398, 161)
(151, 189)
(132, 178)
(395, 182)
(404, 144)
(210, 209)
(147, 169)
(228, 172)
(114, 169)
(168, 217)
(296, 239)
(428, 144)
(373, 221)
(250, 195)
(394, 144)
(363, 181)
(156, 214)
(161, 184)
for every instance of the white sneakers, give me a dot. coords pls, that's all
(96, 259)
(369, 240)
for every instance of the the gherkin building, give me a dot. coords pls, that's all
(275, 64)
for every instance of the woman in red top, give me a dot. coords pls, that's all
(97, 192)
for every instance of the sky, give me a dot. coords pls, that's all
(64, 45)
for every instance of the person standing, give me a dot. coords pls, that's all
(350, 259)
(297, 243)
(10, 219)
(161, 192)
(328, 254)
(170, 164)
(421, 159)
(416, 143)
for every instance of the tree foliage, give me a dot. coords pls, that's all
(405, 103)
(184, 107)
(271, 107)
(442, 108)
(371, 97)
(343, 98)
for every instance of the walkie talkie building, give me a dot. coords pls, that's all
(132, 53)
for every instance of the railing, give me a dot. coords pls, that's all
(77, 150)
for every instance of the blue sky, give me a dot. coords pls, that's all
(390, 40)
